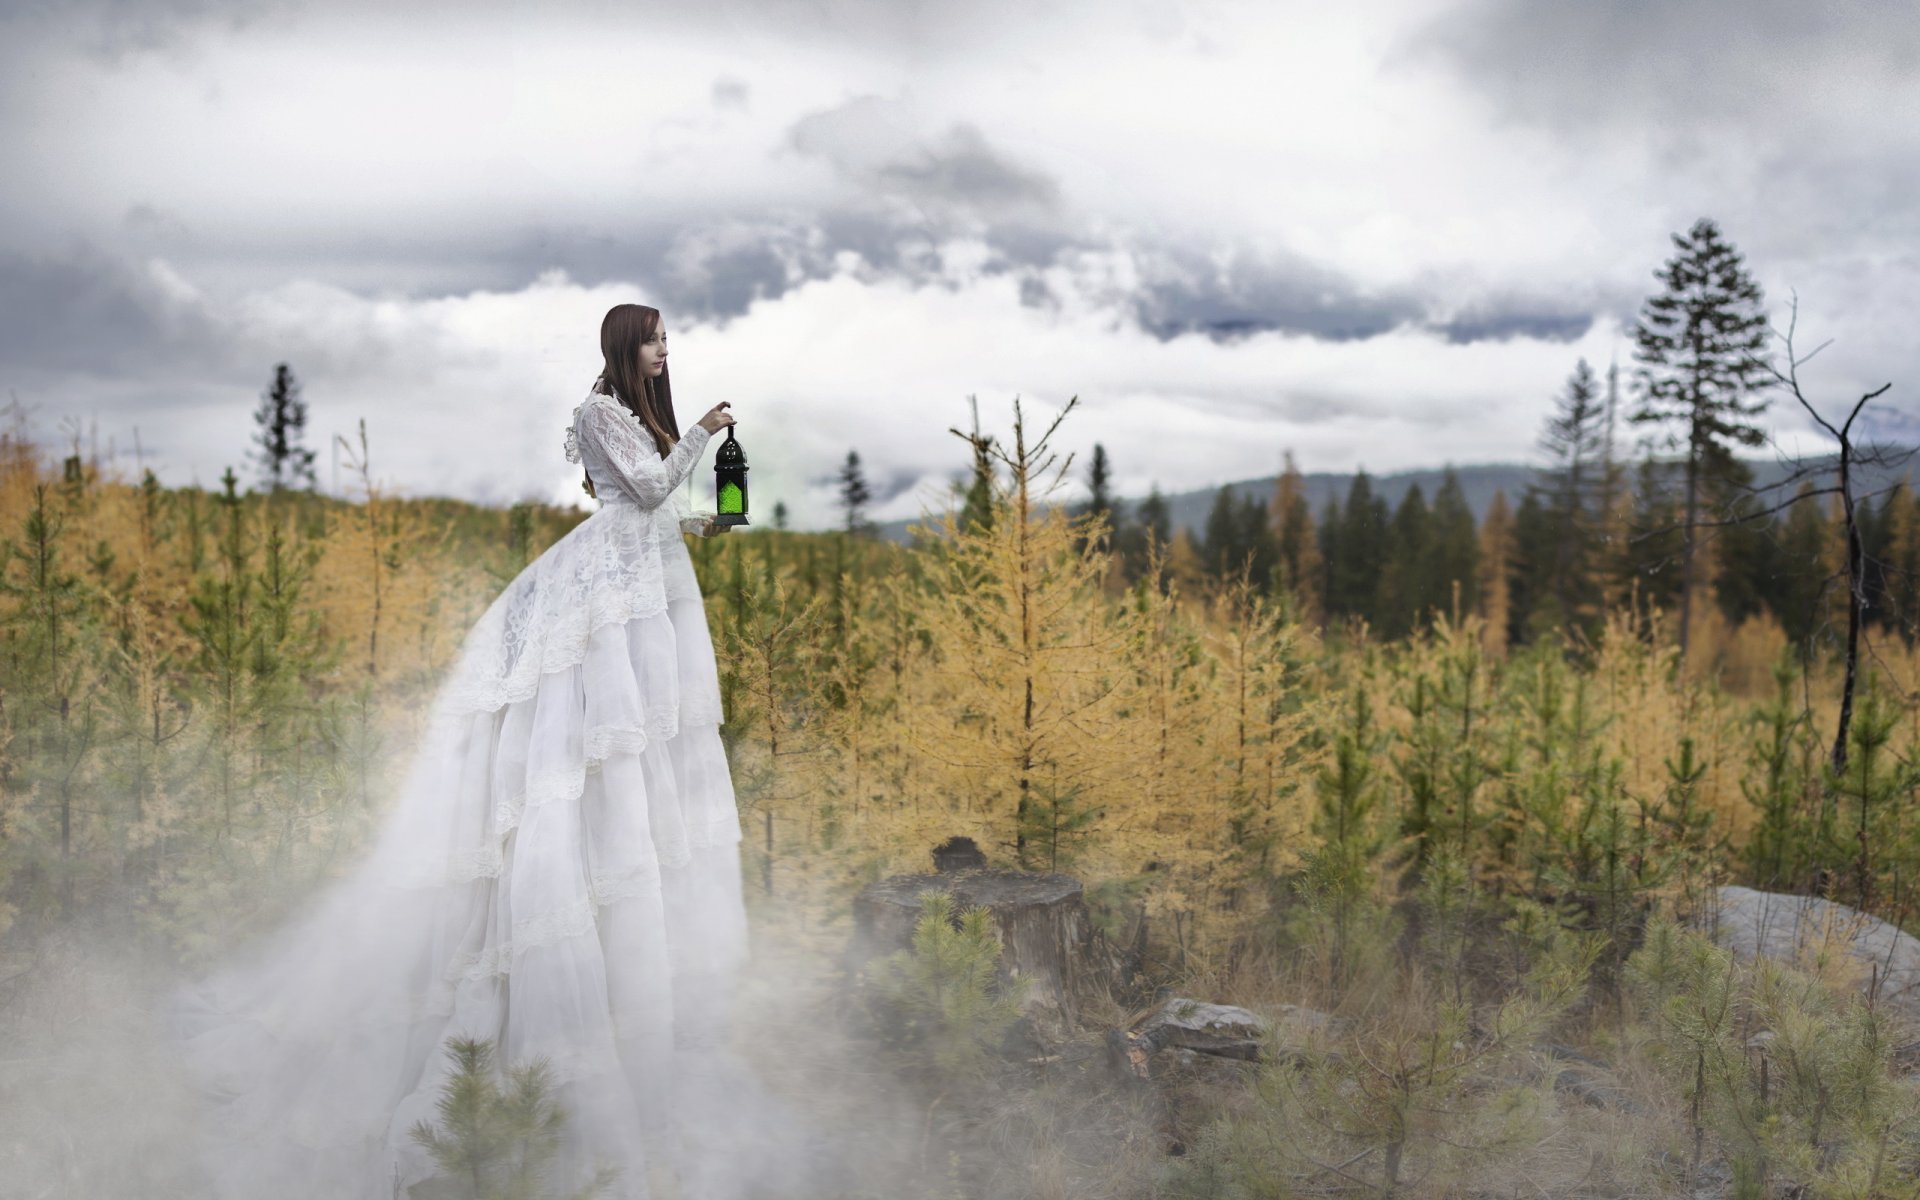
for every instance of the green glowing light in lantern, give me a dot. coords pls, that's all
(730, 481)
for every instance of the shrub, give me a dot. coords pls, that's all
(943, 987)
(498, 1145)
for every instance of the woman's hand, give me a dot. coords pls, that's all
(702, 525)
(716, 420)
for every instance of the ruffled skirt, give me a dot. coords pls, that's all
(560, 876)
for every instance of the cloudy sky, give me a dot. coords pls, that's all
(1379, 238)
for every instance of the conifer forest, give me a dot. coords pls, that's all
(1450, 787)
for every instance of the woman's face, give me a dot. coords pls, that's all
(653, 353)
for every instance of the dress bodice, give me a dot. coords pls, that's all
(624, 461)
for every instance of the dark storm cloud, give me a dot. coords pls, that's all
(710, 268)
(719, 272)
(87, 311)
(716, 270)
(960, 165)
(873, 144)
(1183, 290)
(1034, 293)
(1667, 66)
(1499, 325)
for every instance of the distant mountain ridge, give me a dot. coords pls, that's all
(1188, 510)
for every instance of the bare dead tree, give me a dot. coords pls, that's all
(1849, 457)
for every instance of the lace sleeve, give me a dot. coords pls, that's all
(631, 456)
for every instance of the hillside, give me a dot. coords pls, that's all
(1479, 483)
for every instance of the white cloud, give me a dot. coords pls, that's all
(470, 395)
(843, 208)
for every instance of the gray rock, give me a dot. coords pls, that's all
(1783, 927)
(1208, 1028)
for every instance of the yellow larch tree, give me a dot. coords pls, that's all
(1016, 709)
(1167, 714)
(1258, 715)
(1496, 550)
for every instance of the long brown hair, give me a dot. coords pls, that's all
(623, 331)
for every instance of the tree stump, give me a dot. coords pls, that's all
(1040, 919)
(958, 854)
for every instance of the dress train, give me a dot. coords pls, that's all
(559, 874)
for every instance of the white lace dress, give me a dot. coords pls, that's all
(560, 874)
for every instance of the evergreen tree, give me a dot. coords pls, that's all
(224, 627)
(1876, 551)
(1570, 489)
(48, 651)
(1254, 541)
(1345, 875)
(1743, 558)
(1683, 826)
(1903, 562)
(767, 665)
(1402, 597)
(945, 992)
(854, 494)
(1871, 787)
(1152, 528)
(1220, 543)
(1238, 538)
(1529, 611)
(1155, 517)
(1654, 542)
(1331, 522)
(282, 418)
(1453, 547)
(779, 514)
(1447, 758)
(1296, 549)
(977, 513)
(1804, 574)
(1783, 761)
(1701, 343)
(1101, 502)
(1099, 483)
(1614, 504)
(499, 1143)
(1354, 576)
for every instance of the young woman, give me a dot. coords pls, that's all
(559, 875)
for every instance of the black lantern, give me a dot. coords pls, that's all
(730, 482)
